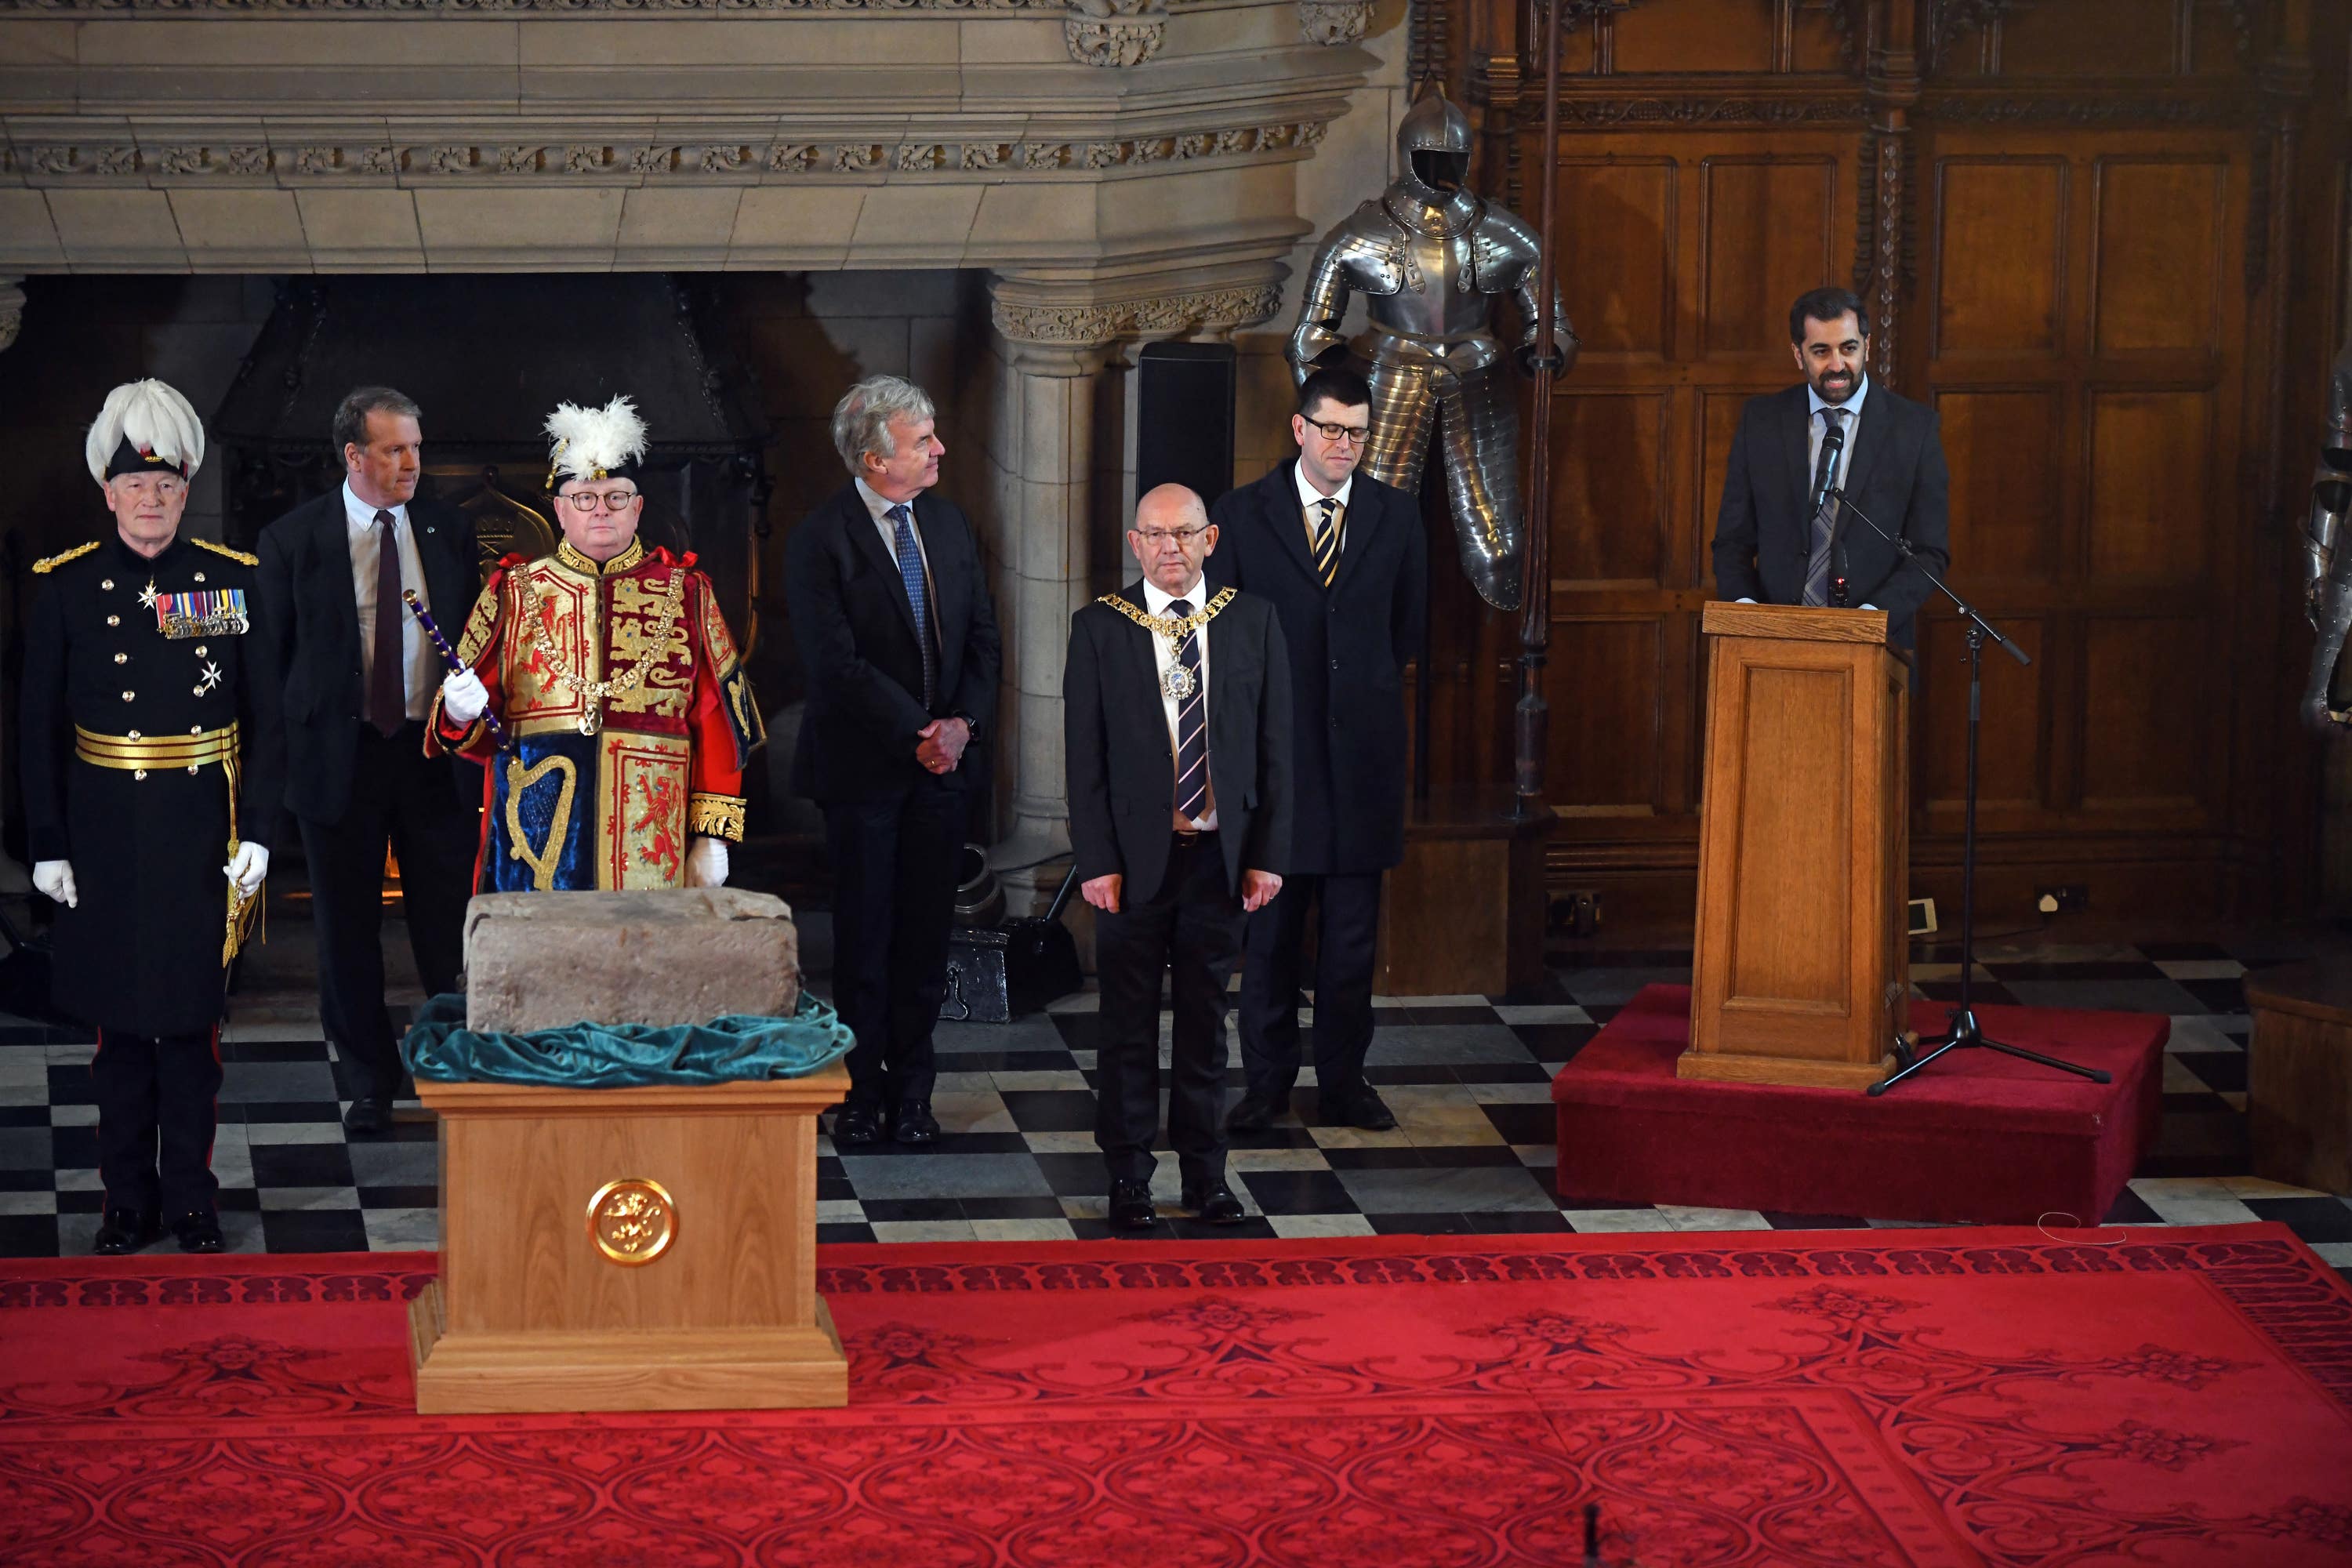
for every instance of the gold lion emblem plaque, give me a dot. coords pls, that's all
(632, 1221)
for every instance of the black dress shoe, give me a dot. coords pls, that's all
(1217, 1205)
(1130, 1206)
(199, 1231)
(1357, 1108)
(855, 1126)
(124, 1231)
(368, 1118)
(1254, 1112)
(915, 1123)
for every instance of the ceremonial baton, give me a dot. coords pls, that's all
(450, 657)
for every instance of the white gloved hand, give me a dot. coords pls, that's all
(464, 696)
(706, 863)
(55, 877)
(246, 868)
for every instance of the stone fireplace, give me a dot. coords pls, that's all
(1006, 198)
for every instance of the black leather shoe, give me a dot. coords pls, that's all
(368, 1118)
(1357, 1108)
(855, 1126)
(915, 1123)
(199, 1231)
(1130, 1206)
(124, 1231)
(1217, 1206)
(1254, 1112)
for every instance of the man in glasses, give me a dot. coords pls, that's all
(358, 676)
(627, 715)
(1343, 560)
(152, 756)
(1176, 723)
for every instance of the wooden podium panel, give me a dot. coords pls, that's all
(701, 1293)
(1801, 961)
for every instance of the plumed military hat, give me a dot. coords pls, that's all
(145, 428)
(607, 443)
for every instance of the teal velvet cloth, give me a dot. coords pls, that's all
(440, 1047)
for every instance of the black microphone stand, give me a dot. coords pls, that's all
(1961, 1027)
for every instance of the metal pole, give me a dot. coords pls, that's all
(1532, 717)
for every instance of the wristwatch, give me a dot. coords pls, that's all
(970, 723)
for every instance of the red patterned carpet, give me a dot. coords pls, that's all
(1932, 1398)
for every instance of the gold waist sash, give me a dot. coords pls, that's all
(138, 754)
(133, 753)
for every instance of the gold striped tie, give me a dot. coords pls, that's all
(1326, 540)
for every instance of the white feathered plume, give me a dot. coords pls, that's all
(152, 417)
(589, 442)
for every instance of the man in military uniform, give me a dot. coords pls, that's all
(1431, 258)
(152, 755)
(628, 713)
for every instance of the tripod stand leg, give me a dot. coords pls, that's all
(2096, 1075)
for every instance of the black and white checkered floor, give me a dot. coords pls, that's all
(1468, 1078)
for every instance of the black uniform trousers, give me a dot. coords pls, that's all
(1190, 928)
(894, 883)
(404, 798)
(157, 1096)
(1347, 910)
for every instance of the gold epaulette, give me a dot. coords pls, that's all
(239, 556)
(52, 562)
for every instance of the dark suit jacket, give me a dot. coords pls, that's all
(314, 622)
(1763, 533)
(1122, 759)
(1348, 646)
(855, 632)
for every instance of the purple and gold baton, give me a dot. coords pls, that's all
(450, 657)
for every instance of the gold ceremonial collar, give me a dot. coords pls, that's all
(634, 554)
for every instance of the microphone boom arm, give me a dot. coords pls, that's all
(1905, 549)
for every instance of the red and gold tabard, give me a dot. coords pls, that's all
(628, 714)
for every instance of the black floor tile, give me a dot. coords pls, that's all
(2180, 952)
(81, 1203)
(1281, 1135)
(1050, 1109)
(1555, 1043)
(2217, 995)
(1524, 1123)
(1405, 1158)
(400, 1197)
(24, 1116)
(2314, 1219)
(835, 1189)
(948, 1144)
(2128, 1208)
(1298, 1191)
(1420, 1223)
(1421, 1073)
(1186, 1228)
(74, 1148)
(1426, 1015)
(2085, 969)
(245, 1200)
(313, 1230)
(302, 1165)
(1502, 1072)
(1779, 1220)
(2224, 1071)
(840, 1232)
(286, 1110)
(1511, 1222)
(1074, 1175)
(72, 1085)
(28, 1236)
(1004, 1208)
(913, 1208)
(273, 1050)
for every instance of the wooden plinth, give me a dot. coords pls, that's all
(2299, 1075)
(1463, 914)
(530, 1314)
(1802, 965)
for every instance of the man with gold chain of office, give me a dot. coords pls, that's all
(152, 755)
(627, 714)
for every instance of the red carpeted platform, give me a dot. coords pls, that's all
(2181, 1398)
(1979, 1136)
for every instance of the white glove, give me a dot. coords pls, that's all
(55, 877)
(706, 863)
(464, 696)
(246, 868)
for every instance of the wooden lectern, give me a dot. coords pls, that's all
(1801, 966)
(628, 1249)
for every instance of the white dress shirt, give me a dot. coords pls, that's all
(1309, 498)
(1164, 659)
(420, 666)
(878, 509)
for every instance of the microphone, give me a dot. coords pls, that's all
(1824, 486)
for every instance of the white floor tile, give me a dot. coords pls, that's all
(1602, 1222)
(1305, 1226)
(1714, 1219)
(1020, 1230)
(1511, 1093)
(840, 1211)
(1537, 1156)
(307, 1198)
(923, 1230)
(1551, 1013)
(2200, 968)
(73, 1115)
(1275, 1159)
(29, 1203)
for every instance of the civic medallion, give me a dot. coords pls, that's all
(632, 1221)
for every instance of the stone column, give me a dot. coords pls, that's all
(1056, 433)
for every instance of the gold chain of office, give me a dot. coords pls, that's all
(1177, 680)
(593, 692)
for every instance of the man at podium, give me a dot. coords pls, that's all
(1777, 538)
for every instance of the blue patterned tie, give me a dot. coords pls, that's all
(918, 595)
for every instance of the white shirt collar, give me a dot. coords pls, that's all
(362, 516)
(1156, 601)
(1308, 495)
(876, 507)
(1852, 406)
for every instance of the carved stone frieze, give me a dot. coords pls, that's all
(718, 163)
(1094, 324)
(1115, 31)
(1333, 21)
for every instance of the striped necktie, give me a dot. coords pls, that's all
(919, 597)
(1325, 538)
(1192, 724)
(1817, 556)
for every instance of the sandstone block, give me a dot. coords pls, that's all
(540, 961)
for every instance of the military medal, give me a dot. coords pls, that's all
(591, 719)
(203, 613)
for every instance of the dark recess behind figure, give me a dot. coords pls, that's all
(1184, 418)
